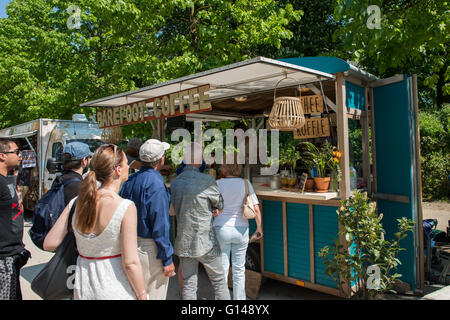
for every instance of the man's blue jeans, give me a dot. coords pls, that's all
(234, 241)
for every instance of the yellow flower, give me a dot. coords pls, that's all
(336, 160)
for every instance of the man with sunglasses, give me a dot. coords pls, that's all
(13, 255)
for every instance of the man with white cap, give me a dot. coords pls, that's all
(147, 190)
(194, 196)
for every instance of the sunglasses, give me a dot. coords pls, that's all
(17, 152)
(114, 147)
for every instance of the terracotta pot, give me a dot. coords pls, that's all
(309, 185)
(322, 184)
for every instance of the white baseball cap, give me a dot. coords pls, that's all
(152, 150)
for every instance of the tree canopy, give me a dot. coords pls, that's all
(412, 36)
(49, 65)
(52, 59)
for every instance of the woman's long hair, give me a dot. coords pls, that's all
(106, 158)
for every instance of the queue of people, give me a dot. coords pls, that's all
(121, 223)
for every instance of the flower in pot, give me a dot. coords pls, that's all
(335, 170)
(324, 160)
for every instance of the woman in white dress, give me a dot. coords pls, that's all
(105, 228)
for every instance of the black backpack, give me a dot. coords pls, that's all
(48, 210)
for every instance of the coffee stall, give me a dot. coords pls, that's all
(333, 93)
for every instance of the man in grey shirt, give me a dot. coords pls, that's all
(194, 196)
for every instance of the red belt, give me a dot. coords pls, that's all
(100, 258)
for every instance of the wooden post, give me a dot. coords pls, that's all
(419, 180)
(161, 129)
(343, 143)
(374, 150)
(365, 142)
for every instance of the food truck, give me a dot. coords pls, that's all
(42, 142)
(336, 95)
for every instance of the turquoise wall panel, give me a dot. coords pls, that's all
(394, 165)
(273, 236)
(354, 96)
(391, 212)
(325, 231)
(297, 216)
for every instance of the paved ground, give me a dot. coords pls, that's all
(270, 289)
(437, 210)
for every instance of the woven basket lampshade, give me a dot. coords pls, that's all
(112, 135)
(286, 113)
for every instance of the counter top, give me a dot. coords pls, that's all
(262, 190)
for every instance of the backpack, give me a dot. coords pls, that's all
(48, 210)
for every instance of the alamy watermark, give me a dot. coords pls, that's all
(255, 143)
(374, 20)
(74, 21)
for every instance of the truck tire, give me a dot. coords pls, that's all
(252, 259)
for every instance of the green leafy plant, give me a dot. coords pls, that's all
(288, 155)
(364, 234)
(324, 158)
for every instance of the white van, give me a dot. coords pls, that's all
(42, 142)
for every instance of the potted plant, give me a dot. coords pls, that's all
(324, 160)
(288, 160)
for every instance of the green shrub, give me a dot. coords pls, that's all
(435, 152)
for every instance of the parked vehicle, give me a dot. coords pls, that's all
(42, 142)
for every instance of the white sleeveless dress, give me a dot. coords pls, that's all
(102, 279)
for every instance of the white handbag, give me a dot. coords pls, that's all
(248, 209)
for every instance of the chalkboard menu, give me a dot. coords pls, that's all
(302, 182)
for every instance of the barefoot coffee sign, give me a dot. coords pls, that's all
(171, 105)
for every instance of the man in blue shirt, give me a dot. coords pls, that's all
(147, 190)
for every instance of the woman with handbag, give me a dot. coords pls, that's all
(232, 226)
(105, 228)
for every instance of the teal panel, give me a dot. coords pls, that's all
(325, 64)
(394, 165)
(273, 236)
(297, 216)
(391, 212)
(325, 232)
(355, 96)
(392, 140)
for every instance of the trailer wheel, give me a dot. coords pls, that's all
(252, 259)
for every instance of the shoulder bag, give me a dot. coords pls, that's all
(248, 209)
(53, 282)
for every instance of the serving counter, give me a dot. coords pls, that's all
(296, 227)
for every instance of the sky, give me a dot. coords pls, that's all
(3, 4)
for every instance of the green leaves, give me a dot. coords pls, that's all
(412, 38)
(48, 70)
(362, 230)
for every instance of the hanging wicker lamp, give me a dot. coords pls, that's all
(287, 112)
(112, 135)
